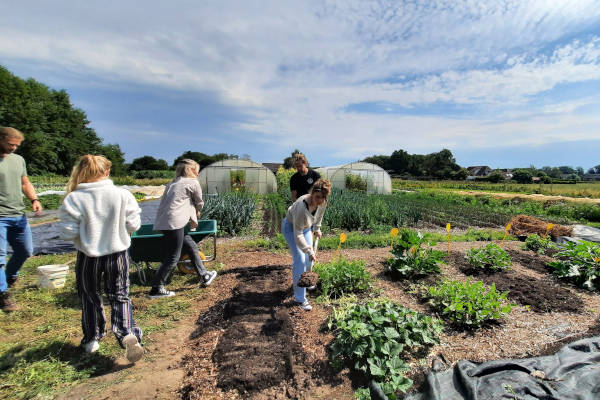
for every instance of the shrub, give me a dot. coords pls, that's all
(153, 174)
(579, 263)
(356, 182)
(468, 304)
(491, 258)
(373, 337)
(233, 211)
(342, 276)
(538, 244)
(410, 259)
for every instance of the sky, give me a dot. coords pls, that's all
(503, 83)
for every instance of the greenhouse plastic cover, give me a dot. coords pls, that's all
(378, 180)
(216, 178)
(572, 373)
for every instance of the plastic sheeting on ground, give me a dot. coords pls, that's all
(46, 238)
(572, 373)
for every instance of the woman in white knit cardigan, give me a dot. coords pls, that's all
(302, 219)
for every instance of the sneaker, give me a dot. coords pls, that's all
(158, 292)
(209, 277)
(6, 302)
(305, 305)
(133, 349)
(91, 347)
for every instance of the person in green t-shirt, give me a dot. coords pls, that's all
(14, 228)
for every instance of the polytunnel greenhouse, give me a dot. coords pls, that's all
(358, 176)
(237, 175)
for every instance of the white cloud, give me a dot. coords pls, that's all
(295, 65)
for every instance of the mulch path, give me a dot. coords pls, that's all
(251, 343)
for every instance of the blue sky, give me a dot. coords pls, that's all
(503, 83)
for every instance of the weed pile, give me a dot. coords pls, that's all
(524, 225)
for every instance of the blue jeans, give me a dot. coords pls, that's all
(16, 232)
(300, 260)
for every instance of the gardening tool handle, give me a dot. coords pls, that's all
(315, 245)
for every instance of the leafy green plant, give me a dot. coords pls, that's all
(372, 338)
(579, 263)
(342, 276)
(410, 259)
(233, 211)
(356, 182)
(468, 303)
(49, 201)
(538, 244)
(491, 258)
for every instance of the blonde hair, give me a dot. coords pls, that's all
(6, 132)
(185, 168)
(88, 168)
(300, 157)
(323, 186)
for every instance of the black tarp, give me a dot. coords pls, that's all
(47, 241)
(572, 373)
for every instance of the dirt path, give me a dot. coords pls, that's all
(246, 341)
(537, 197)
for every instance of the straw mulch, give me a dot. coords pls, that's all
(524, 225)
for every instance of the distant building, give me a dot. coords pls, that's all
(273, 166)
(591, 177)
(478, 171)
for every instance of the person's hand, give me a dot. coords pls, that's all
(198, 213)
(193, 224)
(318, 234)
(312, 257)
(37, 207)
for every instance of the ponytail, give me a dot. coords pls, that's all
(88, 168)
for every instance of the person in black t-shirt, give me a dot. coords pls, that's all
(302, 181)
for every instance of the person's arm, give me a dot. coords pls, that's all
(299, 223)
(197, 198)
(133, 220)
(294, 187)
(318, 221)
(29, 192)
(294, 195)
(68, 226)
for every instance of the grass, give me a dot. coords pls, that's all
(360, 240)
(580, 189)
(39, 344)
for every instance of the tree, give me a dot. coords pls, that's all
(148, 163)
(203, 159)
(115, 155)
(522, 175)
(594, 170)
(288, 162)
(495, 177)
(56, 133)
(382, 161)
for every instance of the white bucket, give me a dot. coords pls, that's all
(52, 276)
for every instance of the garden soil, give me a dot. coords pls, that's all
(247, 340)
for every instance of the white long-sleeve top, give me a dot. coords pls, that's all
(180, 202)
(301, 218)
(99, 218)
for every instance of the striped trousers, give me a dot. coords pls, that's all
(112, 270)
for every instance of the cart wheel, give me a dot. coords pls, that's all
(139, 268)
(185, 266)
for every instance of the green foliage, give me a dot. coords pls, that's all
(153, 174)
(233, 211)
(441, 165)
(49, 202)
(237, 179)
(489, 258)
(342, 276)
(579, 263)
(468, 304)
(146, 163)
(203, 159)
(56, 133)
(356, 182)
(410, 259)
(522, 175)
(372, 338)
(538, 244)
